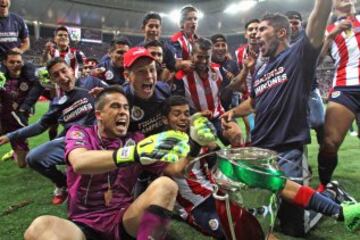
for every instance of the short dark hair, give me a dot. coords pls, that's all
(54, 61)
(218, 37)
(151, 15)
(119, 40)
(254, 20)
(100, 98)
(91, 59)
(278, 21)
(61, 28)
(11, 53)
(153, 43)
(174, 100)
(202, 44)
(184, 12)
(293, 15)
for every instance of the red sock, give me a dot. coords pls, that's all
(303, 196)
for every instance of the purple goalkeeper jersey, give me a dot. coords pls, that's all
(86, 203)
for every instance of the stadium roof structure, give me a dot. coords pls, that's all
(125, 16)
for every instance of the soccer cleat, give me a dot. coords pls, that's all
(60, 195)
(351, 212)
(7, 156)
(340, 194)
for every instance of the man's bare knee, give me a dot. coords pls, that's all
(37, 226)
(164, 185)
(163, 192)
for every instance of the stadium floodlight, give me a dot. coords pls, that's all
(240, 6)
(174, 15)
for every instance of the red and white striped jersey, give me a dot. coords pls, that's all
(203, 93)
(345, 50)
(72, 56)
(240, 54)
(183, 45)
(195, 189)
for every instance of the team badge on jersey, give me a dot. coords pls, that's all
(77, 135)
(335, 94)
(62, 100)
(109, 75)
(24, 86)
(214, 224)
(137, 113)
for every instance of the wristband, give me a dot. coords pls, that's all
(124, 155)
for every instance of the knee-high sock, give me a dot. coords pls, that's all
(154, 223)
(327, 164)
(308, 198)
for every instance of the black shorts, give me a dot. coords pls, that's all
(348, 98)
(92, 234)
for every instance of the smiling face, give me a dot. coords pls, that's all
(14, 63)
(62, 39)
(219, 51)
(143, 77)
(157, 53)
(152, 29)
(178, 118)
(268, 40)
(117, 54)
(296, 27)
(201, 59)
(4, 7)
(250, 33)
(114, 117)
(63, 76)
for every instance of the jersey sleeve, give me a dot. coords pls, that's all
(76, 137)
(24, 31)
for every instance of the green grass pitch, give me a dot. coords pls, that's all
(19, 185)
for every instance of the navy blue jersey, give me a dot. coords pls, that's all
(75, 107)
(301, 34)
(113, 75)
(12, 30)
(280, 90)
(146, 115)
(20, 93)
(168, 55)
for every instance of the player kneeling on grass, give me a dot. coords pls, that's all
(104, 161)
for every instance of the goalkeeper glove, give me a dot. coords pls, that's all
(168, 146)
(2, 80)
(202, 131)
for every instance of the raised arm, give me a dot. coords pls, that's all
(317, 22)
